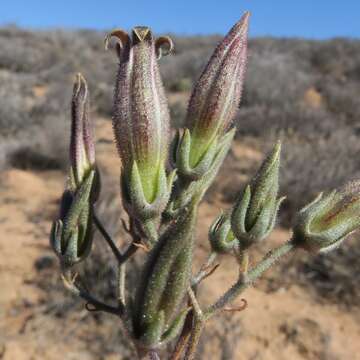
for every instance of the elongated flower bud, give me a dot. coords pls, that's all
(82, 147)
(71, 234)
(254, 214)
(216, 96)
(165, 278)
(140, 113)
(329, 219)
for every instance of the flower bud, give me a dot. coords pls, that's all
(329, 219)
(71, 234)
(141, 116)
(216, 95)
(254, 214)
(222, 239)
(82, 147)
(165, 278)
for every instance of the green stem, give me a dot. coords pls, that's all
(203, 270)
(150, 231)
(245, 281)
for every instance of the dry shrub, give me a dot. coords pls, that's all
(321, 143)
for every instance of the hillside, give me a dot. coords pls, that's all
(305, 92)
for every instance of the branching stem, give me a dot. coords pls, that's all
(69, 282)
(203, 272)
(107, 238)
(245, 280)
(121, 257)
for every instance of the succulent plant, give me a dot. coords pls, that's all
(162, 202)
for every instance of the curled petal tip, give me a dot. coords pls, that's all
(121, 36)
(164, 46)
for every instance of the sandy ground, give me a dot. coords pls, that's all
(283, 324)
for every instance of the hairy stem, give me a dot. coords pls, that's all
(246, 280)
(203, 272)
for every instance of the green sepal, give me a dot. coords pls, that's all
(71, 235)
(174, 329)
(264, 185)
(79, 202)
(55, 237)
(222, 148)
(71, 180)
(199, 187)
(239, 212)
(324, 224)
(319, 206)
(302, 232)
(266, 220)
(183, 163)
(134, 196)
(273, 216)
(221, 237)
(70, 253)
(255, 212)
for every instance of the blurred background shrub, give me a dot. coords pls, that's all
(305, 92)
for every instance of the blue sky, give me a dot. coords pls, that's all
(300, 18)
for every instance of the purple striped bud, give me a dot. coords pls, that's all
(140, 114)
(71, 235)
(216, 96)
(325, 223)
(82, 146)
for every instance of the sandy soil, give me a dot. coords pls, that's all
(283, 324)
